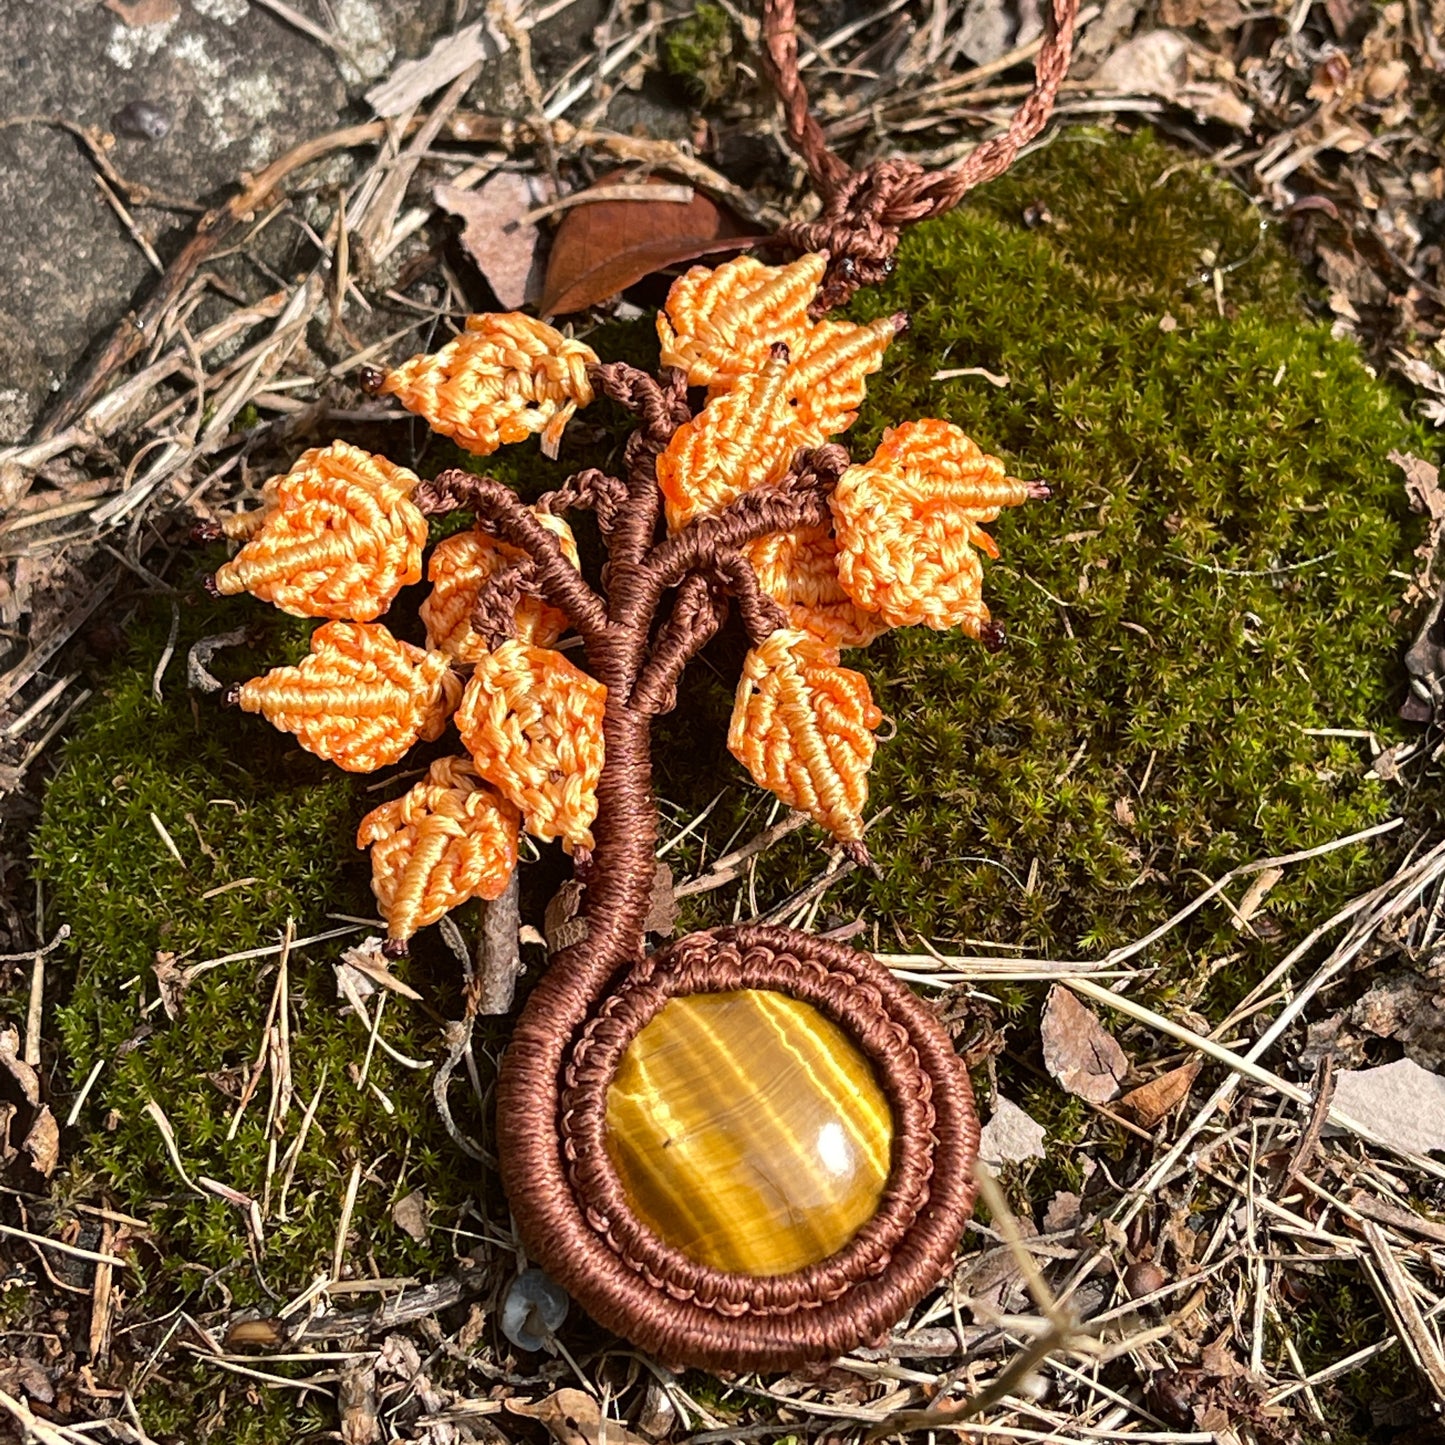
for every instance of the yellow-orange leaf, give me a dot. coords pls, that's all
(742, 440)
(450, 838)
(361, 699)
(533, 725)
(828, 377)
(908, 526)
(720, 325)
(799, 569)
(506, 377)
(803, 727)
(337, 536)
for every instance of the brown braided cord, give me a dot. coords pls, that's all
(865, 211)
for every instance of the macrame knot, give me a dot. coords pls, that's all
(660, 407)
(859, 227)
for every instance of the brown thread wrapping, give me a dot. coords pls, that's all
(865, 211)
(704, 963)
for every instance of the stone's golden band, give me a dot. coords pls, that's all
(748, 1131)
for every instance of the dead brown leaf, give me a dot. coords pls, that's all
(1081, 1054)
(144, 12)
(1152, 1102)
(23, 1074)
(42, 1143)
(410, 1213)
(572, 1417)
(171, 980)
(560, 921)
(1422, 487)
(42, 1135)
(602, 248)
(507, 250)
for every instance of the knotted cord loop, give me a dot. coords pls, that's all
(864, 212)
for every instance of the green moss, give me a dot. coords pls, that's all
(698, 53)
(244, 808)
(1214, 578)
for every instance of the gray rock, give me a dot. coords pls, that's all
(238, 87)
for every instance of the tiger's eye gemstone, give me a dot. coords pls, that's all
(748, 1131)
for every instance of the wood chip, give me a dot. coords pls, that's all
(1010, 1136)
(1080, 1053)
(410, 84)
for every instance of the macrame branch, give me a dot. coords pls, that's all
(698, 610)
(592, 490)
(800, 499)
(497, 508)
(761, 615)
(495, 610)
(660, 407)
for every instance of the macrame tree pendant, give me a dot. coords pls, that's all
(752, 1148)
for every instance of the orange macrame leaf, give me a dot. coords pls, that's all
(799, 569)
(803, 727)
(361, 699)
(720, 325)
(337, 536)
(908, 526)
(830, 367)
(504, 378)
(533, 725)
(742, 440)
(457, 569)
(450, 838)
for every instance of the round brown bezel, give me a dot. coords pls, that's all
(582, 1230)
